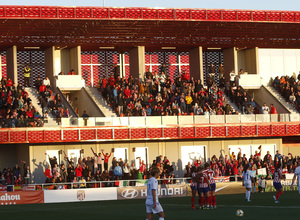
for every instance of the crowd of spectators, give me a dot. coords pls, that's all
(16, 109)
(158, 94)
(243, 101)
(17, 176)
(50, 101)
(89, 170)
(233, 165)
(289, 88)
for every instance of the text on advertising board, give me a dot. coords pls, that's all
(140, 192)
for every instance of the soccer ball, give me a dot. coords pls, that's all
(239, 213)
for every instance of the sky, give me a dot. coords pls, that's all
(293, 5)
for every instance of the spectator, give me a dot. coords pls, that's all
(273, 109)
(27, 173)
(118, 171)
(265, 109)
(46, 82)
(106, 158)
(85, 115)
(27, 72)
(48, 174)
(78, 172)
(71, 72)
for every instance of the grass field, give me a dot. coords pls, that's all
(261, 207)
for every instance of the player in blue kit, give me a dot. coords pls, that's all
(247, 176)
(152, 204)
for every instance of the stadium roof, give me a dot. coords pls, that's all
(123, 28)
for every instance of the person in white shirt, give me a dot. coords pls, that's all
(265, 109)
(297, 174)
(247, 176)
(152, 204)
(46, 81)
(232, 77)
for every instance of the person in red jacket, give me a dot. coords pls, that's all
(9, 83)
(104, 82)
(29, 113)
(42, 89)
(127, 92)
(71, 72)
(111, 80)
(273, 109)
(48, 174)
(106, 157)
(197, 163)
(78, 172)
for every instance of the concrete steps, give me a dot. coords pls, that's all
(100, 102)
(282, 100)
(34, 95)
(228, 101)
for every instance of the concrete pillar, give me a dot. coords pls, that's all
(230, 61)
(0, 68)
(75, 59)
(50, 65)
(137, 62)
(196, 63)
(251, 61)
(11, 64)
(248, 60)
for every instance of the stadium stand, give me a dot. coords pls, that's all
(113, 75)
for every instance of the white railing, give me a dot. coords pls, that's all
(177, 120)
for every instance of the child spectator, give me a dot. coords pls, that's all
(262, 184)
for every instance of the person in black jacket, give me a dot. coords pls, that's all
(27, 173)
(70, 171)
(43, 104)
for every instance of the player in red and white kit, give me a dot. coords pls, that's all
(194, 186)
(211, 198)
(203, 187)
(276, 182)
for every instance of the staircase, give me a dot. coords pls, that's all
(228, 101)
(282, 100)
(34, 95)
(100, 101)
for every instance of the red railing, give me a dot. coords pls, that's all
(41, 135)
(53, 12)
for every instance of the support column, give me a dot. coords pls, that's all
(50, 65)
(0, 68)
(11, 64)
(248, 60)
(230, 61)
(75, 59)
(251, 61)
(137, 62)
(196, 63)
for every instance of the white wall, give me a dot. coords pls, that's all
(278, 62)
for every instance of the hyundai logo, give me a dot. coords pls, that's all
(129, 193)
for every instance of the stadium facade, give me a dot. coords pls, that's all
(91, 40)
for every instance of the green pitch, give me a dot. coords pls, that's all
(261, 207)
